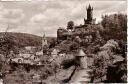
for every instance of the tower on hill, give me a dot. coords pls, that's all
(89, 13)
(89, 19)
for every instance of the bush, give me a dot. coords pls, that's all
(117, 73)
(67, 63)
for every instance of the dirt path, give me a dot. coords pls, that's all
(81, 76)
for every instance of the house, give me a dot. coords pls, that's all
(39, 53)
(34, 58)
(17, 60)
(11, 55)
(54, 52)
(62, 54)
(30, 48)
(36, 79)
(25, 56)
(28, 61)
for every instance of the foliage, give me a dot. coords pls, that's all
(105, 58)
(67, 63)
(74, 46)
(65, 46)
(70, 25)
(115, 26)
(46, 71)
(99, 67)
(117, 73)
(52, 43)
(15, 41)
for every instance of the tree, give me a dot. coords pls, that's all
(52, 43)
(74, 46)
(70, 25)
(115, 26)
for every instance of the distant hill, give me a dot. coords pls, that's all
(24, 39)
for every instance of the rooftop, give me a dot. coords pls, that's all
(81, 53)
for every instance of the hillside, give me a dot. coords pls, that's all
(23, 39)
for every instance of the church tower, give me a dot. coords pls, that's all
(89, 15)
(44, 41)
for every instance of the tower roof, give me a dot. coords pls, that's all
(89, 7)
(81, 53)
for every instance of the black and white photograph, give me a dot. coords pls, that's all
(63, 41)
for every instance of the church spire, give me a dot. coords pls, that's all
(44, 40)
(89, 7)
(44, 36)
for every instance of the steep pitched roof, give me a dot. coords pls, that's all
(81, 53)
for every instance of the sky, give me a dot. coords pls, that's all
(39, 17)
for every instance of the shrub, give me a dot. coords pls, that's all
(67, 63)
